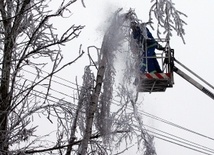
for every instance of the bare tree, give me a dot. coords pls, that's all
(25, 36)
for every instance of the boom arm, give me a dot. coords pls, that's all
(192, 81)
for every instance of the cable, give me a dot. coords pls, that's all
(166, 122)
(195, 147)
(145, 114)
(179, 144)
(57, 81)
(49, 96)
(184, 141)
(142, 112)
(177, 140)
(175, 125)
(60, 92)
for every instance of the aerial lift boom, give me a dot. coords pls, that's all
(192, 81)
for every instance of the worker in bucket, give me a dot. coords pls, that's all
(147, 45)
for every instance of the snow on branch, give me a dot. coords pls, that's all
(168, 17)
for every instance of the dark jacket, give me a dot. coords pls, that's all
(138, 35)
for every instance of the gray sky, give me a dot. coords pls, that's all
(183, 104)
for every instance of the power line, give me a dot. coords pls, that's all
(184, 143)
(157, 135)
(57, 91)
(166, 121)
(116, 103)
(50, 98)
(179, 139)
(55, 80)
(175, 125)
(142, 112)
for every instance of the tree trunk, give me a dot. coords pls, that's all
(11, 27)
(5, 95)
(92, 109)
(4, 89)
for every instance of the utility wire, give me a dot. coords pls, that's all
(118, 104)
(175, 125)
(141, 111)
(50, 98)
(184, 143)
(55, 80)
(165, 121)
(178, 139)
(54, 90)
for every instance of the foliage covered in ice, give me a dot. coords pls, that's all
(168, 18)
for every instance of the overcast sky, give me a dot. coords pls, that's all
(183, 105)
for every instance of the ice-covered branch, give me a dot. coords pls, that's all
(168, 18)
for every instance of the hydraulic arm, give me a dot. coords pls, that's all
(192, 81)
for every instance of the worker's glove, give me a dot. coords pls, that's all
(159, 47)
